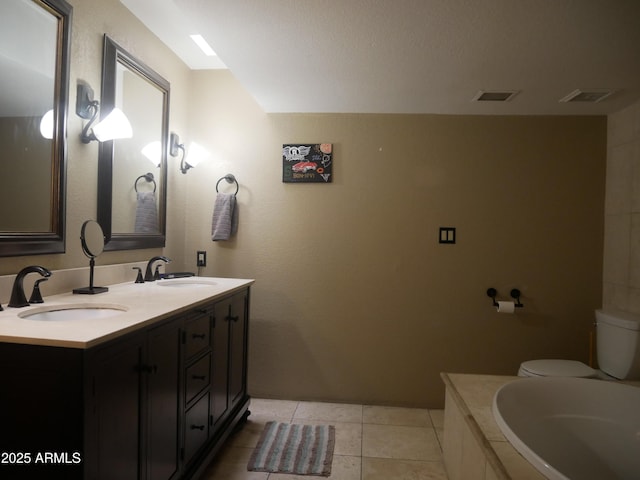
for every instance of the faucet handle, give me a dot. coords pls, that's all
(36, 296)
(139, 278)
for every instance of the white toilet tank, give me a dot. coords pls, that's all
(618, 343)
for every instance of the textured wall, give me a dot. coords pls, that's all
(355, 300)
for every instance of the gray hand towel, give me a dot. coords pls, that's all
(224, 223)
(146, 213)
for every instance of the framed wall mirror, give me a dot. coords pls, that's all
(34, 85)
(132, 172)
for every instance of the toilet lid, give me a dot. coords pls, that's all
(558, 368)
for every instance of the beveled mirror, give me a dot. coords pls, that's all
(34, 85)
(132, 172)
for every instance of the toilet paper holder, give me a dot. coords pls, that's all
(515, 294)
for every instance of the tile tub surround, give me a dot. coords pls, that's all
(474, 448)
(372, 442)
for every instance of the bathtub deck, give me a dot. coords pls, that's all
(481, 451)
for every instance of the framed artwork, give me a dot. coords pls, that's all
(307, 162)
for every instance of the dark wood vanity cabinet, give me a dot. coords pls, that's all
(216, 399)
(41, 403)
(113, 414)
(132, 415)
(163, 371)
(238, 322)
(154, 404)
(229, 383)
(197, 386)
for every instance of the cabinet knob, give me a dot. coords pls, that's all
(197, 427)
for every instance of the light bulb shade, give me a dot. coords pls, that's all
(196, 154)
(153, 151)
(46, 125)
(115, 125)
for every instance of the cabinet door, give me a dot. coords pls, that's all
(220, 360)
(163, 387)
(237, 347)
(117, 410)
(41, 410)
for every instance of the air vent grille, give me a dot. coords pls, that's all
(494, 95)
(588, 96)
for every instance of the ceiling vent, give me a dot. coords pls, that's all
(494, 95)
(588, 96)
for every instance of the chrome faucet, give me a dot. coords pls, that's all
(18, 298)
(148, 274)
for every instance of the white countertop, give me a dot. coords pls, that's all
(145, 304)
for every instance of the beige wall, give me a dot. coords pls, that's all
(621, 277)
(355, 300)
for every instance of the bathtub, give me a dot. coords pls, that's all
(573, 428)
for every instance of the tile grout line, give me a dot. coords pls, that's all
(295, 410)
(362, 445)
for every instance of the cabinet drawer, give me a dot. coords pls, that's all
(196, 427)
(197, 378)
(197, 335)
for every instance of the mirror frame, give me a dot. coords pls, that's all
(112, 55)
(23, 243)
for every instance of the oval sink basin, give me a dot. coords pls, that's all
(186, 282)
(56, 313)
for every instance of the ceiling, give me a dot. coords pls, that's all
(412, 56)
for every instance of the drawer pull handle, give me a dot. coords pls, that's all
(198, 377)
(197, 427)
(199, 335)
(235, 319)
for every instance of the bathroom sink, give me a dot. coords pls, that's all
(56, 313)
(186, 282)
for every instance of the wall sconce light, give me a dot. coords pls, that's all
(113, 126)
(196, 153)
(153, 152)
(46, 125)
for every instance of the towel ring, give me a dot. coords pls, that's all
(230, 178)
(149, 178)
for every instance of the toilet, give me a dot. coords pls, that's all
(618, 348)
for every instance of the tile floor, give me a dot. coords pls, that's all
(372, 443)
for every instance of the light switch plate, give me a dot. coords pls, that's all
(447, 235)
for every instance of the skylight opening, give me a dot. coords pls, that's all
(204, 46)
